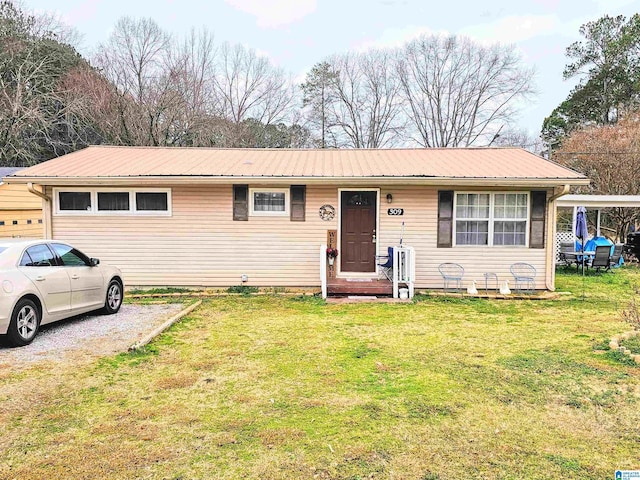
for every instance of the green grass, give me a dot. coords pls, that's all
(271, 387)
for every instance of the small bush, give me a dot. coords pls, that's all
(242, 289)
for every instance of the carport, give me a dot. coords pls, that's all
(597, 202)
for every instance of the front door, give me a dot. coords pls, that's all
(358, 232)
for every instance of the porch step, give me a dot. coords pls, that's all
(358, 286)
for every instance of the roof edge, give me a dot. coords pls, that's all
(185, 180)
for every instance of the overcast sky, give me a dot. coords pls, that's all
(296, 34)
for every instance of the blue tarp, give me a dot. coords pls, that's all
(590, 246)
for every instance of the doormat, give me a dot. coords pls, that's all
(359, 280)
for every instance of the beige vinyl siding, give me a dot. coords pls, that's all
(200, 244)
(421, 216)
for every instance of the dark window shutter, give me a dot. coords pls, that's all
(538, 215)
(445, 218)
(297, 200)
(241, 202)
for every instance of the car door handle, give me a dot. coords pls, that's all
(40, 278)
(74, 277)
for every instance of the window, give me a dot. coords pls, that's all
(151, 201)
(491, 218)
(472, 218)
(38, 256)
(74, 201)
(510, 218)
(70, 256)
(269, 201)
(111, 201)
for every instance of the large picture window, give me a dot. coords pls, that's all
(491, 218)
(105, 201)
(269, 201)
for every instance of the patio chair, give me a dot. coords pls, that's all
(602, 258)
(567, 255)
(451, 272)
(524, 275)
(386, 267)
(617, 253)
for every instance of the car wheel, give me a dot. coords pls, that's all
(114, 297)
(24, 324)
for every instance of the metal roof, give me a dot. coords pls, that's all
(599, 201)
(116, 165)
(6, 171)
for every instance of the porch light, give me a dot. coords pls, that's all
(389, 198)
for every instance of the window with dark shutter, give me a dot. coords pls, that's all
(538, 214)
(241, 202)
(445, 218)
(298, 194)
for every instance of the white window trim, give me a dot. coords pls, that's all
(491, 219)
(117, 213)
(254, 213)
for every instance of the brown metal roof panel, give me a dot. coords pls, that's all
(149, 161)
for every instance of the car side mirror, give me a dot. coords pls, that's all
(95, 262)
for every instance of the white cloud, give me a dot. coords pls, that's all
(394, 37)
(275, 13)
(513, 29)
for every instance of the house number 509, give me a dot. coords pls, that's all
(395, 211)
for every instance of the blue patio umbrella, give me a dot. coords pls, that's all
(581, 229)
(581, 225)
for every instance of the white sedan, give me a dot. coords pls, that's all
(42, 281)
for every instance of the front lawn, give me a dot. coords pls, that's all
(277, 388)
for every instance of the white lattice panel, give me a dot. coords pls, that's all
(562, 237)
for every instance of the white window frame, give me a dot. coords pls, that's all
(492, 218)
(133, 211)
(254, 213)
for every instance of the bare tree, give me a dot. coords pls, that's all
(509, 137)
(367, 112)
(191, 67)
(248, 86)
(459, 93)
(135, 61)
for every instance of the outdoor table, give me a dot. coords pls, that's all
(585, 256)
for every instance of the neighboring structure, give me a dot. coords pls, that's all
(20, 211)
(216, 217)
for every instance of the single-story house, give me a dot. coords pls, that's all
(222, 217)
(20, 211)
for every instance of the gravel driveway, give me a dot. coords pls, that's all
(90, 336)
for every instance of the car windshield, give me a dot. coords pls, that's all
(2, 249)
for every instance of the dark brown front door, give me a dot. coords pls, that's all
(358, 231)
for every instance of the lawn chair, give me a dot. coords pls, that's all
(567, 255)
(617, 253)
(451, 272)
(524, 274)
(602, 258)
(386, 268)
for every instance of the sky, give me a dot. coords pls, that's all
(296, 34)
